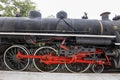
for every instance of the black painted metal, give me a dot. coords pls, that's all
(80, 26)
(63, 25)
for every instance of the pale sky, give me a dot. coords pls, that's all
(76, 8)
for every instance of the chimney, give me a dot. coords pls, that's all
(105, 15)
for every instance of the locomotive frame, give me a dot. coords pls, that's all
(65, 56)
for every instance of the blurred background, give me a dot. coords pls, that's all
(49, 8)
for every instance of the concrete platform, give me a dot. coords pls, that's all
(14, 75)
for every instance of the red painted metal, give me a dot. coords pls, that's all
(79, 57)
(108, 60)
(64, 47)
(50, 39)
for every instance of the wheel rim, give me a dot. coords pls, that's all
(42, 66)
(97, 68)
(12, 62)
(77, 67)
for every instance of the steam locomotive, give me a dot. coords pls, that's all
(79, 44)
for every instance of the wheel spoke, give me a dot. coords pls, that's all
(97, 68)
(12, 62)
(12, 52)
(77, 67)
(15, 50)
(42, 66)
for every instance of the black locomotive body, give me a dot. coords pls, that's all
(77, 43)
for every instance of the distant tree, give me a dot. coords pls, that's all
(13, 7)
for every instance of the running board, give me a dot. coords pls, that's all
(117, 44)
(53, 34)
